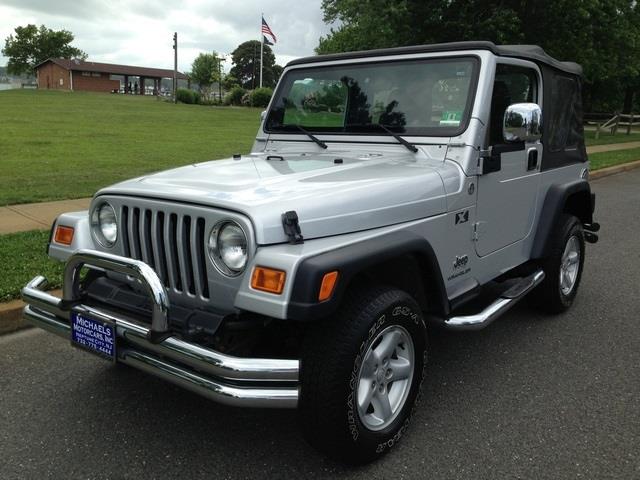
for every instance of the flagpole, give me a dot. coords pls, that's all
(261, 47)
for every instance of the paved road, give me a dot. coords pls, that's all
(530, 397)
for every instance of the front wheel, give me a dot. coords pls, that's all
(361, 375)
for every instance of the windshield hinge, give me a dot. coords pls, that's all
(484, 155)
(485, 152)
(292, 227)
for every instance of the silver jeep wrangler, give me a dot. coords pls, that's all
(388, 192)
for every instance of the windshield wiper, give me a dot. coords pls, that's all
(400, 139)
(307, 133)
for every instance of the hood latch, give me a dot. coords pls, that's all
(292, 227)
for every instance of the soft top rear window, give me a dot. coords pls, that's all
(418, 97)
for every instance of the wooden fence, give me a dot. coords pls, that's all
(618, 120)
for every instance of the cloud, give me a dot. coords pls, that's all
(63, 8)
(140, 32)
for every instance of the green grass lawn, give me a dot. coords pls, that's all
(606, 138)
(61, 145)
(23, 257)
(609, 159)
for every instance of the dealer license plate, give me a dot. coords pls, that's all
(96, 336)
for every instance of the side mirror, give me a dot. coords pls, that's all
(522, 123)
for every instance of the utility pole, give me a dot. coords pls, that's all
(220, 60)
(175, 67)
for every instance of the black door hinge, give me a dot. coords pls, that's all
(292, 227)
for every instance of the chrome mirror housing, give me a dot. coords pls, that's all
(522, 123)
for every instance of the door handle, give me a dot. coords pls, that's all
(532, 159)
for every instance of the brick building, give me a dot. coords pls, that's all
(64, 74)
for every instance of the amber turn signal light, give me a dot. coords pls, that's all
(268, 280)
(328, 285)
(64, 235)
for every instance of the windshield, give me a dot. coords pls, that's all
(418, 97)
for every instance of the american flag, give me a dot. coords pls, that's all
(267, 31)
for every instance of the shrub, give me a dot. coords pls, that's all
(209, 102)
(185, 95)
(234, 97)
(260, 97)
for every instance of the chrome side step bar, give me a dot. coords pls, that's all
(507, 300)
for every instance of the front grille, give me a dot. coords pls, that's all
(172, 244)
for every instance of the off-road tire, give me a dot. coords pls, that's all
(549, 295)
(332, 355)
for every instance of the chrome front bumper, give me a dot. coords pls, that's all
(250, 382)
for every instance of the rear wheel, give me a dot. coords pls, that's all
(361, 375)
(563, 267)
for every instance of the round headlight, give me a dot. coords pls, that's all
(228, 248)
(105, 225)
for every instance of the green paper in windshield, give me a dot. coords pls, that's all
(451, 118)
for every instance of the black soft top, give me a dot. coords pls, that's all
(527, 52)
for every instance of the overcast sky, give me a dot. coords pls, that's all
(139, 32)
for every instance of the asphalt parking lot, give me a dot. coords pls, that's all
(530, 397)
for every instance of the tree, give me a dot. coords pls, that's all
(277, 73)
(604, 37)
(229, 81)
(32, 45)
(246, 65)
(205, 70)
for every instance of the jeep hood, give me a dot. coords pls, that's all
(332, 194)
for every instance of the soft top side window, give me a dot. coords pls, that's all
(564, 127)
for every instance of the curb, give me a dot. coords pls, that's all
(11, 315)
(605, 172)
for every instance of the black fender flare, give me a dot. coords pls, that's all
(353, 259)
(557, 202)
